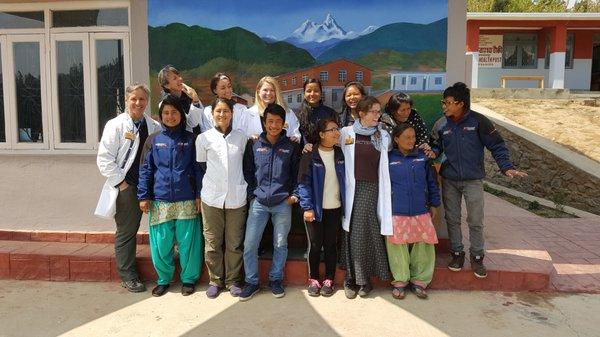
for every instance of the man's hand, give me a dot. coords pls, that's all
(512, 173)
(309, 216)
(123, 186)
(291, 200)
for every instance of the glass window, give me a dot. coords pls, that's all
(28, 89)
(16, 20)
(438, 81)
(304, 79)
(403, 80)
(289, 98)
(324, 75)
(413, 80)
(359, 76)
(94, 17)
(299, 98)
(294, 80)
(111, 82)
(342, 75)
(519, 51)
(71, 102)
(284, 82)
(569, 53)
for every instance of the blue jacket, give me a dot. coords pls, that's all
(271, 170)
(169, 170)
(463, 142)
(414, 183)
(311, 180)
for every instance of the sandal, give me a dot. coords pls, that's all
(399, 293)
(419, 291)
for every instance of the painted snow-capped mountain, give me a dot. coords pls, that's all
(317, 38)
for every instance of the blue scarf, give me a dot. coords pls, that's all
(372, 131)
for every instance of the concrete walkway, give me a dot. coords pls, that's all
(30, 308)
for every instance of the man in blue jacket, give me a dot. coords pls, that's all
(270, 169)
(462, 135)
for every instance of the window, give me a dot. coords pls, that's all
(413, 80)
(304, 79)
(16, 20)
(289, 99)
(284, 82)
(358, 76)
(294, 80)
(403, 80)
(299, 98)
(438, 81)
(324, 75)
(87, 18)
(568, 53)
(519, 51)
(342, 75)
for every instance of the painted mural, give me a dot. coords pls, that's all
(251, 39)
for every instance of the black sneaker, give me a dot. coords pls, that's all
(277, 288)
(457, 262)
(248, 291)
(160, 290)
(478, 267)
(187, 289)
(134, 286)
(350, 290)
(314, 287)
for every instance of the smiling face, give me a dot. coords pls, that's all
(222, 116)
(273, 125)
(136, 104)
(370, 118)
(403, 112)
(352, 96)
(405, 142)
(312, 94)
(266, 93)
(174, 82)
(170, 116)
(224, 89)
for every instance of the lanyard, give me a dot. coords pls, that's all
(136, 130)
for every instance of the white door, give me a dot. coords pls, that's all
(24, 77)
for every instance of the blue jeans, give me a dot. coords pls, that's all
(258, 215)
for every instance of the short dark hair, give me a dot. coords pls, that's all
(215, 80)
(366, 103)
(460, 93)
(394, 102)
(230, 103)
(322, 126)
(174, 102)
(273, 109)
(400, 128)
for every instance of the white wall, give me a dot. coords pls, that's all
(580, 76)
(457, 40)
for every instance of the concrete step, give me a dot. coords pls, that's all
(82, 261)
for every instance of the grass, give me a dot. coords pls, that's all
(428, 106)
(531, 206)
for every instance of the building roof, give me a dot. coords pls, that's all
(533, 16)
(321, 65)
(417, 72)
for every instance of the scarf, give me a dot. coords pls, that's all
(373, 131)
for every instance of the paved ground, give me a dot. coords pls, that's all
(32, 308)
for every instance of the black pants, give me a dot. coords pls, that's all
(323, 234)
(127, 217)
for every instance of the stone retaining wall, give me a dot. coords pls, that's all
(550, 177)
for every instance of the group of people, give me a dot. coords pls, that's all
(210, 178)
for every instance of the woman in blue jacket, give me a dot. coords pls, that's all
(415, 198)
(169, 191)
(321, 189)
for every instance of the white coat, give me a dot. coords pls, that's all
(238, 121)
(113, 147)
(384, 200)
(254, 125)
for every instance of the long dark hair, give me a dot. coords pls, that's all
(346, 111)
(305, 108)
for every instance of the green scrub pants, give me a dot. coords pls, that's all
(415, 266)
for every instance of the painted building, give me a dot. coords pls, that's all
(417, 81)
(333, 76)
(562, 50)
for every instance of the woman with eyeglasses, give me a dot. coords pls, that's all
(368, 208)
(321, 185)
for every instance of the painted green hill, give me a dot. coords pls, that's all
(393, 60)
(188, 47)
(401, 37)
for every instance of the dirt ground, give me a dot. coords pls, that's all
(567, 122)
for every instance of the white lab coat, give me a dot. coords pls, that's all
(238, 121)
(253, 125)
(384, 200)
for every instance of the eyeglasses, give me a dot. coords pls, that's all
(444, 103)
(374, 111)
(332, 130)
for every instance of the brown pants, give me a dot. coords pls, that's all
(223, 226)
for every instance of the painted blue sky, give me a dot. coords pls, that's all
(280, 18)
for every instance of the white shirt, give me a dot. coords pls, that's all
(253, 125)
(223, 185)
(238, 119)
(331, 187)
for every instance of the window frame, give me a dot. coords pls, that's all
(519, 40)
